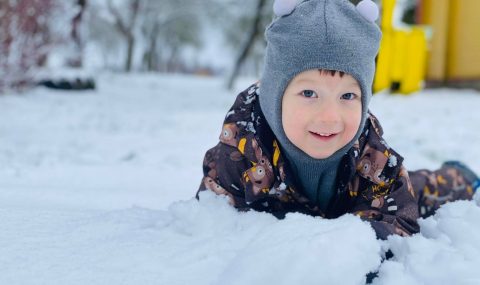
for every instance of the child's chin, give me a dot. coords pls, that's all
(318, 155)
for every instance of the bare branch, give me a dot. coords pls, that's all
(119, 23)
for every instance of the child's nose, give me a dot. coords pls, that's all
(327, 112)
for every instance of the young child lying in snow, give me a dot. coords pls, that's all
(303, 140)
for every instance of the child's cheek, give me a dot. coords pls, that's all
(292, 118)
(353, 118)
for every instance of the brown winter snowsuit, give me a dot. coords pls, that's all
(248, 167)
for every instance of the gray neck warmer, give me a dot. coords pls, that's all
(316, 176)
(317, 34)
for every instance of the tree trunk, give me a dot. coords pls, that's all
(126, 30)
(130, 49)
(76, 59)
(152, 59)
(252, 36)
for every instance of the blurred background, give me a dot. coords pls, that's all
(166, 36)
(426, 42)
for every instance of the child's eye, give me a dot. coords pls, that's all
(309, 93)
(349, 96)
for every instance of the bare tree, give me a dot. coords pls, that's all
(76, 59)
(254, 34)
(167, 27)
(162, 30)
(151, 55)
(126, 27)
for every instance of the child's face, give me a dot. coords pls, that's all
(321, 113)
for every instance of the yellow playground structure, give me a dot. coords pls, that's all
(402, 58)
(443, 48)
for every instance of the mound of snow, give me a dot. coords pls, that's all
(209, 242)
(228, 247)
(447, 251)
(206, 242)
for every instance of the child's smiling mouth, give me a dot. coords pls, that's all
(324, 136)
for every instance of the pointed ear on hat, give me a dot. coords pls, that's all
(284, 7)
(369, 10)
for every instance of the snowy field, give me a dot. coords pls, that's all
(96, 188)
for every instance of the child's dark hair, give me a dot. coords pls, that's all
(332, 72)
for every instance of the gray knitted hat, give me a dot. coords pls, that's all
(317, 34)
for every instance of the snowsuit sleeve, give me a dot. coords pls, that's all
(396, 212)
(225, 164)
(453, 181)
(223, 167)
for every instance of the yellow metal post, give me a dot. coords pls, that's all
(416, 61)
(388, 6)
(382, 76)
(397, 67)
(402, 55)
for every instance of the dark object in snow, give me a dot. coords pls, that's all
(67, 84)
(395, 87)
(372, 275)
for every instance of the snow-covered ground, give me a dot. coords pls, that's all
(96, 188)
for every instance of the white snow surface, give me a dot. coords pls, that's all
(96, 188)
